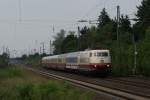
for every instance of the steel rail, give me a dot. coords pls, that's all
(128, 82)
(114, 92)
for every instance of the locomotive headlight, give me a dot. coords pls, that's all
(95, 66)
(108, 65)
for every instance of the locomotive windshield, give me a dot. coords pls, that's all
(102, 54)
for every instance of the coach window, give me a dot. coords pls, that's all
(99, 54)
(95, 54)
(59, 60)
(90, 54)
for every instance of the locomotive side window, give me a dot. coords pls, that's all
(105, 54)
(102, 54)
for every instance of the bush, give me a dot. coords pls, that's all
(44, 91)
(123, 63)
(33, 60)
(144, 56)
(11, 72)
(122, 59)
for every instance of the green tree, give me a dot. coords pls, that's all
(58, 40)
(33, 59)
(143, 15)
(103, 19)
(24, 57)
(92, 34)
(144, 55)
(69, 44)
(125, 30)
(84, 38)
(106, 31)
(104, 36)
(4, 59)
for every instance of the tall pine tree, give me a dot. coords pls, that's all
(143, 15)
(58, 40)
(103, 19)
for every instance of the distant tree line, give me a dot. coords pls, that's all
(33, 59)
(104, 36)
(4, 60)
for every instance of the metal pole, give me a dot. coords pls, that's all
(78, 38)
(118, 40)
(135, 55)
(50, 48)
(43, 45)
(42, 48)
(118, 21)
(135, 62)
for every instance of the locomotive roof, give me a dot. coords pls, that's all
(100, 50)
(47, 57)
(74, 53)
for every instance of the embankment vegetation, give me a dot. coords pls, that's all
(19, 84)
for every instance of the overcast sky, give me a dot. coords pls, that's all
(39, 16)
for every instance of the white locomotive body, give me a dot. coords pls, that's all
(89, 61)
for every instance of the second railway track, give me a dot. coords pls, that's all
(92, 86)
(129, 82)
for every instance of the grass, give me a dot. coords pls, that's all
(10, 72)
(18, 84)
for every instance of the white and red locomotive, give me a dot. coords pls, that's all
(88, 61)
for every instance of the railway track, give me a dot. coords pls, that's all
(95, 87)
(130, 82)
(132, 85)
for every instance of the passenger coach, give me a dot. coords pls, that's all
(95, 61)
